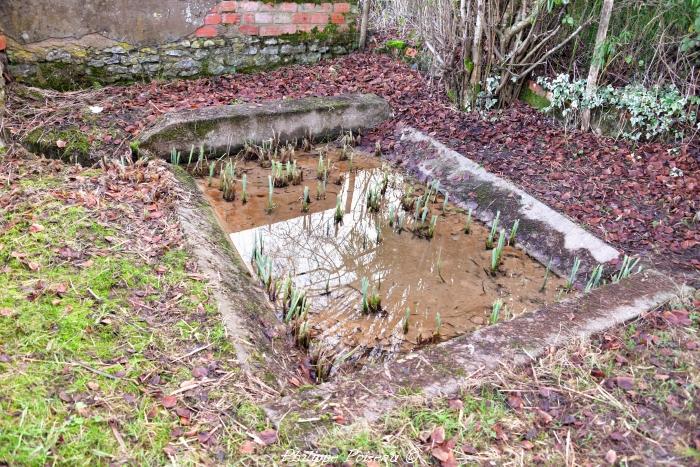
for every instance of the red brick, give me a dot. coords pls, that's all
(319, 18)
(248, 18)
(248, 6)
(337, 18)
(212, 19)
(3, 42)
(206, 31)
(231, 18)
(249, 29)
(227, 6)
(341, 8)
(277, 30)
(287, 7)
(310, 18)
(264, 18)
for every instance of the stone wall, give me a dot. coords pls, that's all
(108, 41)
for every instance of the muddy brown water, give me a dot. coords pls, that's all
(445, 283)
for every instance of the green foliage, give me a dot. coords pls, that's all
(396, 44)
(654, 113)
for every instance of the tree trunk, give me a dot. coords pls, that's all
(597, 62)
(363, 24)
(474, 77)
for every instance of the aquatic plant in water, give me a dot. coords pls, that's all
(270, 190)
(228, 181)
(322, 169)
(244, 191)
(571, 280)
(468, 223)
(594, 280)
(339, 212)
(371, 301)
(432, 226)
(321, 189)
(496, 311)
(373, 199)
(404, 321)
(513, 232)
(497, 252)
(212, 172)
(628, 264)
(494, 228)
(546, 276)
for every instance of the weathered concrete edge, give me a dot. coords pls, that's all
(224, 129)
(575, 240)
(443, 369)
(245, 310)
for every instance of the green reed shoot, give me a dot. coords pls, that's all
(270, 191)
(424, 214)
(594, 280)
(392, 215)
(494, 228)
(189, 159)
(244, 185)
(404, 321)
(497, 252)
(546, 276)
(339, 211)
(228, 181)
(571, 280)
(496, 311)
(371, 301)
(378, 149)
(174, 156)
(373, 199)
(625, 269)
(432, 226)
(212, 171)
(303, 337)
(438, 324)
(468, 224)
(513, 232)
(444, 203)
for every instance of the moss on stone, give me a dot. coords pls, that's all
(77, 146)
(533, 99)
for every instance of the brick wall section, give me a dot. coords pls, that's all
(272, 19)
(230, 37)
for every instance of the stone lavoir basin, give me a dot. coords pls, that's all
(359, 272)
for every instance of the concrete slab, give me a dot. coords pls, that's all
(225, 129)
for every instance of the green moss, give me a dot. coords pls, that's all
(534, 100)
(396, 44)
(77, 145)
